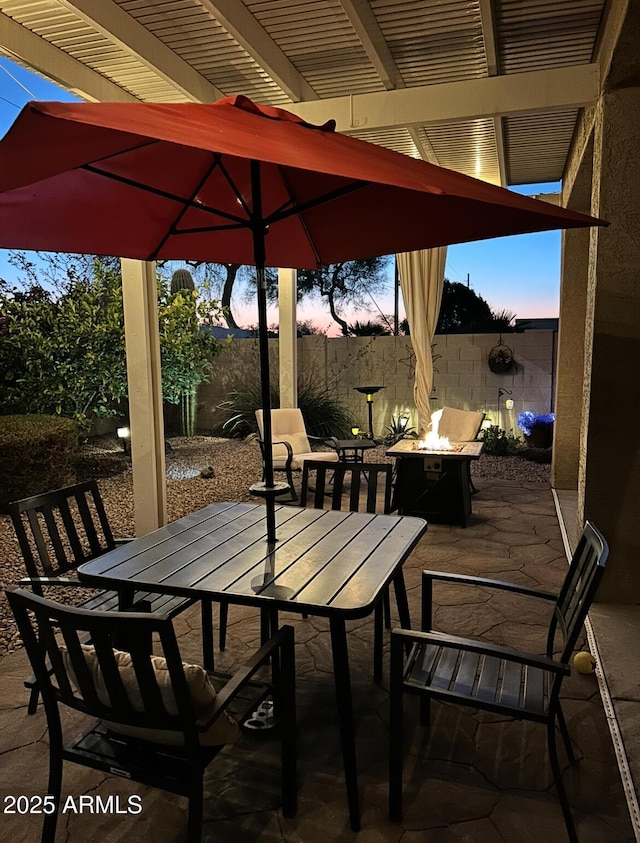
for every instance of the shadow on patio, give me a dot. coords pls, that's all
(474, 777)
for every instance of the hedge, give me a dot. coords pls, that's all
(37, 454)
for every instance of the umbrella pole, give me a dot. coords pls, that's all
(268, 489)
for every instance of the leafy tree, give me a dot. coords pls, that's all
(62, 349)
(340, 285)
(464, 311)
(63, 355)
(306, 328)
(221, 280)
(347, 284)
(370, 328)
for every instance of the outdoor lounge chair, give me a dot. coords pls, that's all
(502, 680)
(457, 425)
(291, 445)
(151, 719)
(61, 529)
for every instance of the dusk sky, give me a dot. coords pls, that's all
(518, 274)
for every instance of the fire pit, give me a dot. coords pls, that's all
(433, 482)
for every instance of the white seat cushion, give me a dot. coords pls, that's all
(203, 697)
(459, 425)
(325, 456)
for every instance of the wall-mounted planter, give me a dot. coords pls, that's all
(501, 358)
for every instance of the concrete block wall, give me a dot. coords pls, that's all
(462, 377)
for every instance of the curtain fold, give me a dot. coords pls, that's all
(421, 280)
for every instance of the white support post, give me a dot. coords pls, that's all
(140, 298)
(287, 296)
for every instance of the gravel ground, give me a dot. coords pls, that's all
(236, 464)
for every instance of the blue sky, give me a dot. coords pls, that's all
(519, 274)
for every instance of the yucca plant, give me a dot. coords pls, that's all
(323, 413)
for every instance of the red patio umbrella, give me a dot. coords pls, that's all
(236, 182)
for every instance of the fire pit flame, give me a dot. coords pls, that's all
(433, 442)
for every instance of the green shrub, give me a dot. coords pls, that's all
(36, 454)
(498, 442)
(323, 414)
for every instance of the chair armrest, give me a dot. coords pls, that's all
(464, 579)
(51, 581)
(287, 445)
(283, 638)
(469, 645)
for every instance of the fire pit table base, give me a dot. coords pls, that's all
(434, 484)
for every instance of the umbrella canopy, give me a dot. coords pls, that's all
(154, 181)
(235, 182)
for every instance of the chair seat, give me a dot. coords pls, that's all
(166, 604)
(298, 459)
(480, 680)
(108, 601)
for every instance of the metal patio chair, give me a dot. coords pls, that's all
(59, 530)
(290, 449)
(503, 680)
(291, 443)
(357, 487)
(151, 719)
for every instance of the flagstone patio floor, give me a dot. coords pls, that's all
(472, 777)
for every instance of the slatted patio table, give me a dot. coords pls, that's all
(327, 563)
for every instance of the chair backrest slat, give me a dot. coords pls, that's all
(147, 681)
(578, 590)
(369, 485)
(59, 530)
(54, 632)
(76, 662)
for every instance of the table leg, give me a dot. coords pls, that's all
(206, 613)
(401, 600)
(345, 716)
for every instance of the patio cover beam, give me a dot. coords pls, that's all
(252, 37)
(487, 22)
(122, 29)
(19, 43)
(375, 45)
(537, 91)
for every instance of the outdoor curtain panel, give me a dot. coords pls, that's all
(422, 279)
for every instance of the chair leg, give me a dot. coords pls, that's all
(194, 823)
(377, 642)
(565, 736)
(33, 700)
(395, 730)
(54, 787)
(557, 778)
(294, 496)
(224, 617)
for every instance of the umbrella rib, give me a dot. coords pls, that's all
(164, 194)
(187, 203)
(235, 189)
(283, 212)
(291, 203)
